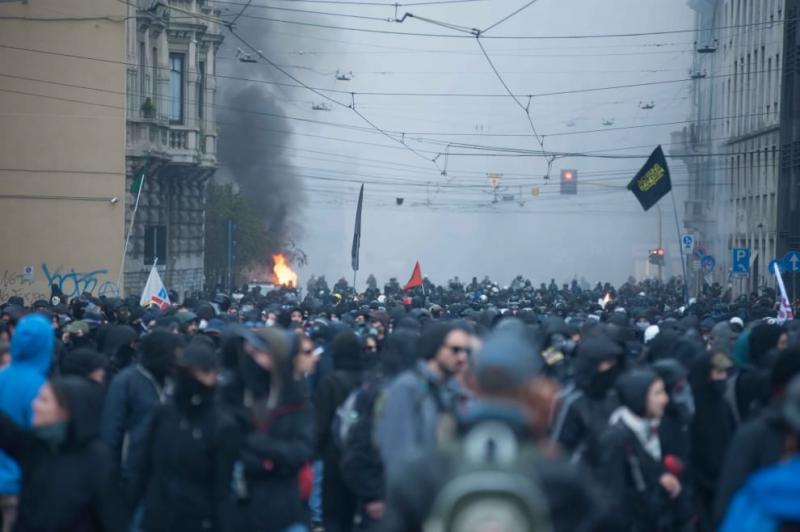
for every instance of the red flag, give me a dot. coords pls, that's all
(416, 278)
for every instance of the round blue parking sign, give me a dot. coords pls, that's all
(708, 263)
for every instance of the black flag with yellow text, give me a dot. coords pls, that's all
(652, 182)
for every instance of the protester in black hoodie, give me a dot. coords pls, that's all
(713, 427)
(362, 467)
(584, 411)
(133, 395)
(276, 421)
(185, 475)
(119, 347)
(69, 480)
(636, 484)
(763, 441)
(338, 501)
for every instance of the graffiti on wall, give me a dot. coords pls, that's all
(70, 281)
(14, 284)
(74, 283)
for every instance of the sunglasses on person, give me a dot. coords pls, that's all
(458, 349)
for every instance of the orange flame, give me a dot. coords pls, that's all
(282, 274)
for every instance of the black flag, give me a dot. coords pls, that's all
(357, 231)
(652, 182)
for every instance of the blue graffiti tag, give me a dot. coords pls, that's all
(73, 284)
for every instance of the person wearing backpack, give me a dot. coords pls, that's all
(338, 501)
(499, 470)
(362, 466)
(408, 420)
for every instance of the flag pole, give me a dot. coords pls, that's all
(128, 236)
(680, 247)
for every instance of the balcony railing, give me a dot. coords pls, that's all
(178, 143)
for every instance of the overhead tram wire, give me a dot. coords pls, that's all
(319, 90)
(501, 37)
(414, 135)
(515, 151)
(369, 3)
(525, 108)
(352, 106)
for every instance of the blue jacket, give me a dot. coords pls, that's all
(769, 499)
(132, 396)
(31, 352)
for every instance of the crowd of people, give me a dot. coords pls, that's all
(463, 407)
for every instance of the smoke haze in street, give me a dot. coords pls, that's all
(456, 224)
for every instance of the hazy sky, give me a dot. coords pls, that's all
(451, 223)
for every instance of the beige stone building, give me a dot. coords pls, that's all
(95, 95)
(171, 137)
(62, 146)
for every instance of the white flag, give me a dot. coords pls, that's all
(154, 291)
(785, 309)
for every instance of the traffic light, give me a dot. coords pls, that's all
(657, 256)
(569, 182)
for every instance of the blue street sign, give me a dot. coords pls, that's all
(741, 260)
(688, 241)
(708, 263)
(791, 261)
(776, 263)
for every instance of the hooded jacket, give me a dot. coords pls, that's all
(758, 444)
(71, 486)
(631, 463)
(190, 449)
(584, 410)
(31, 353)
(117, 347)
(276, 423)
(767, 501)
(333, 390)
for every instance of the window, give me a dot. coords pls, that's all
(201, 88)
(154, 66)
(176, 88)
(155, 244)
(142, 80)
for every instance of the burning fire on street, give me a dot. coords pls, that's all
(282, 273)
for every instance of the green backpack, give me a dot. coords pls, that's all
(489, 490)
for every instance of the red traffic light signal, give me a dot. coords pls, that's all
(569, 181)
(660, 252)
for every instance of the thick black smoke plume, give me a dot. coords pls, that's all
(252, 152)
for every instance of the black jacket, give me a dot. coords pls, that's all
(713, 427)
(758, 444)
(332, 391)
(276, 442)
(584, 411)
(362, 467)
(73, 487)
(190, 449)
(630, 476)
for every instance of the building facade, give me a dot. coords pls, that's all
(62, 147)
(171, 138)
(732, 144)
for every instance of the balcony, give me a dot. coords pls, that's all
(174, 143)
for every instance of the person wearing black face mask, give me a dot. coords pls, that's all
(712, 429)
(585, 409)
(190, 449)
